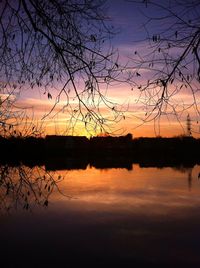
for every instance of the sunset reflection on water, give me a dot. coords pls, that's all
(144, 215)
(148, 190)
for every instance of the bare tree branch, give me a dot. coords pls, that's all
(61, 45)
(170, 63)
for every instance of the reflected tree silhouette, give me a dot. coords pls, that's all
(22, 187)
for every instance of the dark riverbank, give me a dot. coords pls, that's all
(71, 152)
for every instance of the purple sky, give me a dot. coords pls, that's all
(128, 20)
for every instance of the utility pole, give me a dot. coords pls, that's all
(189, 133)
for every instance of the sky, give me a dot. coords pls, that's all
(128, 20)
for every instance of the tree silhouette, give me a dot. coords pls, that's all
(14, 121)
(61, 45)
(170, 60)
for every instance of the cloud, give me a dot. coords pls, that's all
(31, 102)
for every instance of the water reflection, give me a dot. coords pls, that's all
(25, 187)
(136, 189)
(140, 189)
(142, 215)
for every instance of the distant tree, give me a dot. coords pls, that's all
(61, 45)
(170, 59)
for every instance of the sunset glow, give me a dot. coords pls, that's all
(58, 123)
(130, 37)
(100, 133)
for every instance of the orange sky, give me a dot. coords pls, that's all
(168, 126)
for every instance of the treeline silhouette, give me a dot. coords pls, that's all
(74, 152)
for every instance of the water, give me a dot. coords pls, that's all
(140, 216)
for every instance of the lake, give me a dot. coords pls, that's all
(142, 216)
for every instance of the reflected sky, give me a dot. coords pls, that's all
(150, 189)
(143, 216)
